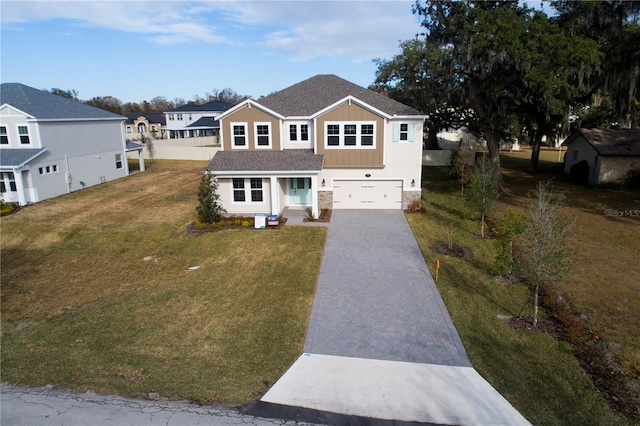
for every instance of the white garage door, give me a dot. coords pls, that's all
(367, 194)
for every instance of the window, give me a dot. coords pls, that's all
(239, 135)
(366, 135)
(171, 117)
(128, 129)
(118, 161)
(256, 190)
(12, 182)
(575, 155)
(248, 190)
(238, 190)
(54, 168)
(263, 135)
(403, 132)
(23, 132)
(190, 117)
(301, 135)
(333, 134)
(179, 116)
(350, 131)
(41, 170)
(48, 169)
(4, 138)
(142, 128)
(351, 135)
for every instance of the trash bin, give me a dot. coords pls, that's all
(260, 220)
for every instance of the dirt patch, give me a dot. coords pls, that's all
(453, 251)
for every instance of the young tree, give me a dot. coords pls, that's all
(460, 167)
(542, 253)
(482, 189)
(209, 208)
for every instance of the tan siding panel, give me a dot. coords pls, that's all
(351, 157)
(251, 116)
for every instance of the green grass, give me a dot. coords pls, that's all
(82, 309)
(535, 372)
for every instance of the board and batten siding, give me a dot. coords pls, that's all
(250, 116)
(345, 157)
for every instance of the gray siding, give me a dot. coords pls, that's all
(81, 138)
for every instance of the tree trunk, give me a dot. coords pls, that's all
(432, 138)
(482, 225)
(535, 305)
(494, 152)
(536, 143)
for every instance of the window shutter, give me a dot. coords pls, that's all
(396, 132)
(410, 132)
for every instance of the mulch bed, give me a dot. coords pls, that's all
(325, 217)
(615, 384)
(453, 251)
(191, 228)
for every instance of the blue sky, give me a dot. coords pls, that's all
(137, 50)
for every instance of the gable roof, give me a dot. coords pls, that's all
(610, 141)
(266, 161)
(205, 123)
(209, 106)
(316, 93)
(46, 106)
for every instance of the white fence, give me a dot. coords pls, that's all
(198, 153)
(436, 157)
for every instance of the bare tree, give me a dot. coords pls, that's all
(542, 252)
(482, 190)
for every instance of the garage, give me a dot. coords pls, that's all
(367, 194)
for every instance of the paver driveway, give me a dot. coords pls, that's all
(376, 298)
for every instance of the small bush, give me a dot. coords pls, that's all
(245, 223)
(237, 222)
(7, 209)
(199, 225)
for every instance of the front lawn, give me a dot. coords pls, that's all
(97, 294)
(536, 372)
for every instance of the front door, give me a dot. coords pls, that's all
(300, 191)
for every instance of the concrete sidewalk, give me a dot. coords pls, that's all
(380, 342)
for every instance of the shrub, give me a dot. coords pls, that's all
(237, 222)
(510, 227)
(199, 225)
(245, 223)
(7, 208)
(209, 208)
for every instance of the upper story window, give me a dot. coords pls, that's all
(190, 117)
(171, 117)
(403, 132)
(350, 135)
(4, 137)
(298, 132)
(118, 161)
(179, 116)
(239, 135)
(23, 132)
(128, 129)
(263, 135)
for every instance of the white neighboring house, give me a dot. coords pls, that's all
(50, 145)
(321, 143)
(193, 120)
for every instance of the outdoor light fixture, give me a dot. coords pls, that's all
(413, 182)
(367, 175)
(323, 183)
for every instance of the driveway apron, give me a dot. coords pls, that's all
(375, 296)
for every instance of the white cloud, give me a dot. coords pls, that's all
(354, 30)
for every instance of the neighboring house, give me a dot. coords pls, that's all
(602, 155)
(149, 125)
(50, 145)
(192, 120)
(321, 143)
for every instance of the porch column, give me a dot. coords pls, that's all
(275, 199)
(141, 159)
(314, 196)
(17, 176)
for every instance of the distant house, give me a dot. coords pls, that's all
(192, 120)
(321, 143)
(50, 145)
(602, 155)
(149, 125)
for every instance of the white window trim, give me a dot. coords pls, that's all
(247, 192)
(298, 126)
(255, 134)
(118, 159)
(6, 130)
(358, 135)
(246, 135)
(396, 134)
(20, 135)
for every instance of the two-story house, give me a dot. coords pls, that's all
(321, 143)
(149, 125)
(193, 120)
(50, 145)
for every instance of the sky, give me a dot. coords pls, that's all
(137, 50)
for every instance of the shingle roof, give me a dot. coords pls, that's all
(314, 94)
(611, 141)
(209, 106)
(208, 122)
(132, 146)
(17, 157)
(266, 161)
(151, 118)
(44, 105)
